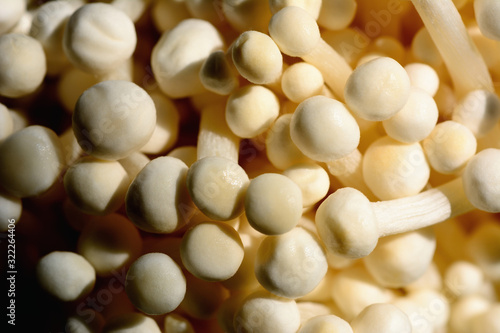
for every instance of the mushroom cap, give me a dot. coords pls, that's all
(482, 181)
(99, 37)
(325, 323)
(313, 181)
(273, 204)
(113, 119)
(217, 186)
(323, 129)
(377, 89)
(382, 317)
(295, 31)
(301, 81)
(423, 76)
(66, 275)
(346, 223)
(486, 12)
(131, 322)
(313, 7)
(30, 161)
(155, 284)
(12, 11)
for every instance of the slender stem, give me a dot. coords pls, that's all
(446, 28)
(422, 210)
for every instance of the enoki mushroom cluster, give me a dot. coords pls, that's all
(254, 166)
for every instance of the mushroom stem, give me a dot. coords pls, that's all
(467, 68)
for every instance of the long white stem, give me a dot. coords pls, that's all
(421, 210)
(464, 62)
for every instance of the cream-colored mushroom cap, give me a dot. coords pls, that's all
(482, 180)
(217, 186)
(12, 11)
(155, 284)
(98, 38)
(10, 210)
(423, 76)
(30, 161)
(489, 321)
(393, 170)
(323, 129)
(131, 322)
(311, 6)
(382, 317)
(157, 200)
(337, 15)
(96, 186)
(325, 323)
(295, 31)
(179, 54)
(22, 65)
(463, 278)
(251, 110)
(212, 251)
(486, 13)
(6, 122)
(257, 57)
(113, 119)
(312, 179)
(266, 313)
(416, 120)
(449, 147)
(273, 204)
(65, 275)
(176, 323)
(292, 264)
(378, 89)
(301, 81)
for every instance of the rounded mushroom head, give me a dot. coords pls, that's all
(482, 181)
(295, 31)
(382, 317)
(346, 223)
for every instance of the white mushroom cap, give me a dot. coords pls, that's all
(251, 110)
(479, 110)
(212, 251)
(132, 8)
(355, 238)
(155, 284)
(482, 180)
(22, 65)
(280, 149)
(186, 154)
(312, 179)
(91, 321)
(179, 54)
(301, 81)
(323, 129)
(109, 243)
(378, 89)
(12, 11)
(217, 186)
(292, 264)
(325, 323)
(134, 163)
(157, 200)
(489, 321)
(10, 210)
(486, 12)
(311, 6)
(463, 278)
(465, 310)
(449, 147)
(131, 322)
(265, 313)
(30, 161)
(217, 74)
(98, 38)
(65, 275)
(176, 323)
(393, 170)
(381, 317)
(6, 122)
(424, 49)
(416, 120)
(257, 57)
(247, 15)
(273, 204)
(401, 259)
(337, 15)
(423, 76)
(96, 186)
(295, 31)
(113, 119)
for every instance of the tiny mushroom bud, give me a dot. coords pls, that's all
(486, 12)
(131, 322)
(381, 317)
(257, 57)
(301, 81)
(65, 275)
(265, 313)
(179, 54)
(30, 161)
(273, 204)
(292, 264)
(251, 110)
(212, 251)
(96, 186)
(155, 284)
(378, 89)
(98, 38)
(22, 65)
(113, 119)
(157, 199)
(326, 323)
